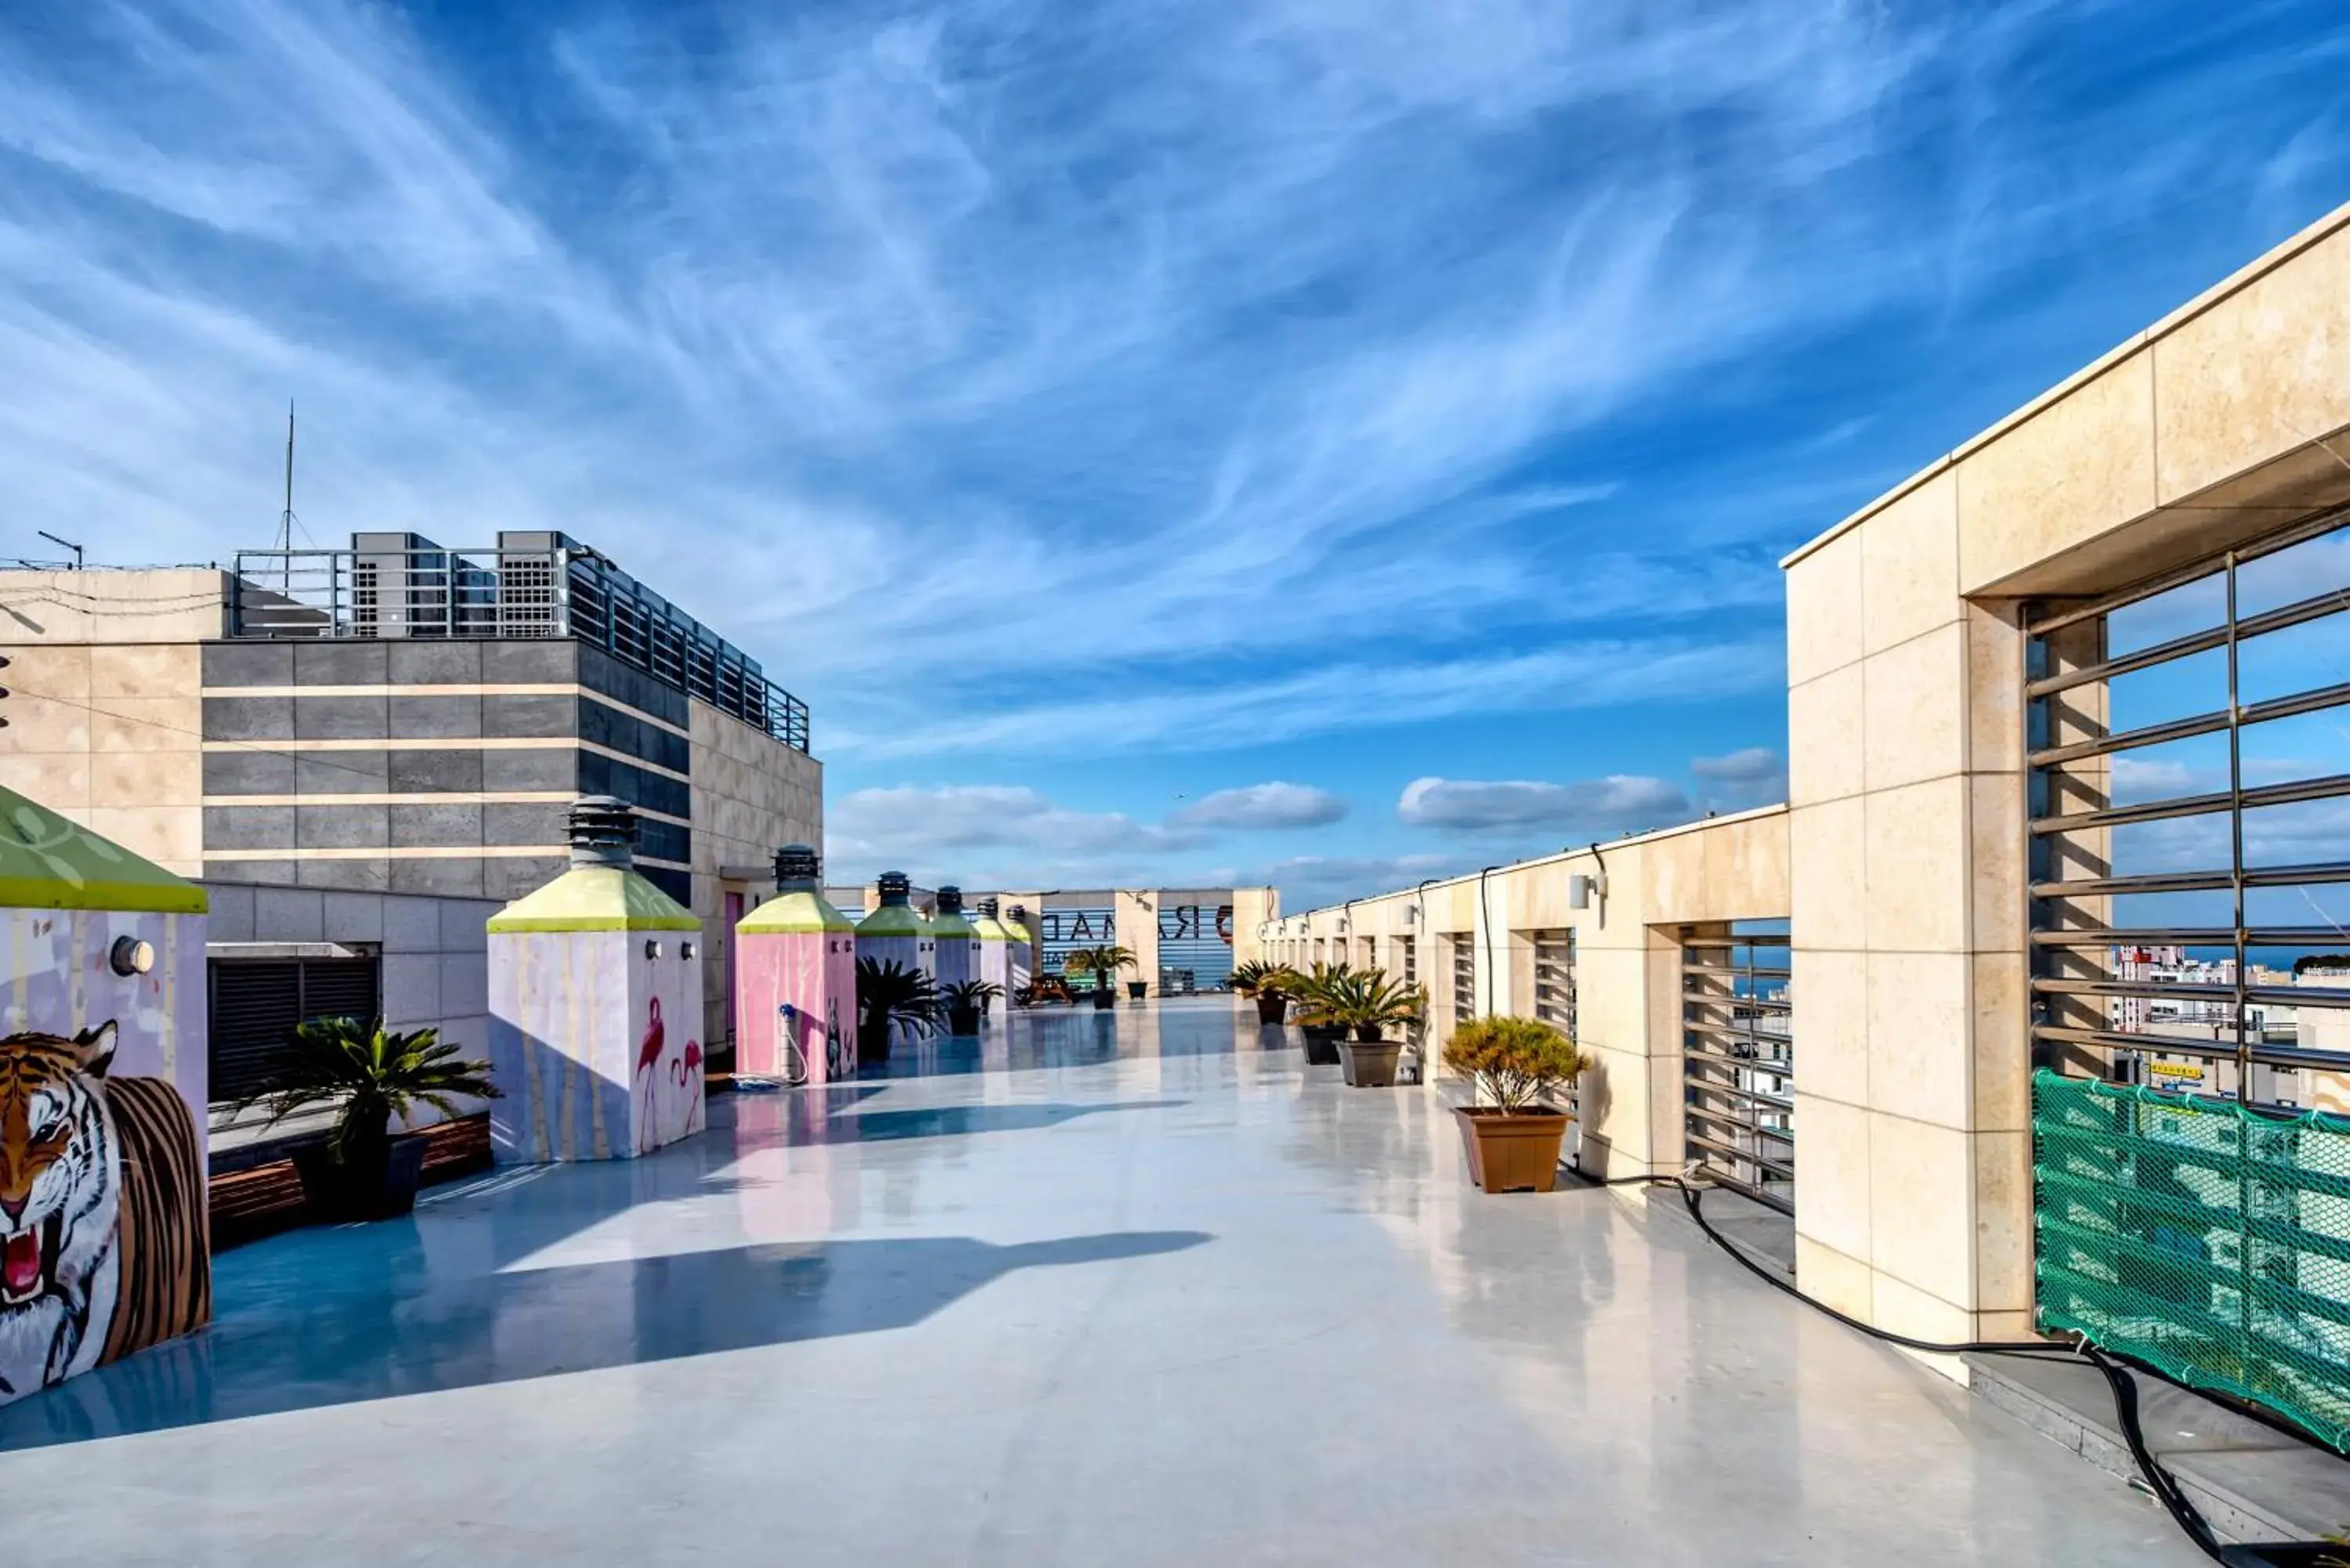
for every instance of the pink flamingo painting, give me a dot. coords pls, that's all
(688, 1072)
(649, 1056)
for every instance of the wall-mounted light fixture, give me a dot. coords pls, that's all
(129, 956)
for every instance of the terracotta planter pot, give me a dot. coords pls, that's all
(1321, 1045)
(1512, 1153)
(1273, 1008)
(1370, 1064)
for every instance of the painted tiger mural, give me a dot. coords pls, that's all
(104, 1236)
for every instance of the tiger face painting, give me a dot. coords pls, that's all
(103, 1243)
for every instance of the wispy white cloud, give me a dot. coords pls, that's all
(1263, 807)
(1752, 775)
(1250, 709)
(1312, 881)
(1167, 378)
(983, 835)
(1750, 766)
(1616, 804)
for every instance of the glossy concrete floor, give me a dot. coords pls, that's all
(1136, 1289)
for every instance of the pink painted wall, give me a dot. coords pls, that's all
(812, 974)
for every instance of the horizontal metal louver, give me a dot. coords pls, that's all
(340, 988)
(255, 1004)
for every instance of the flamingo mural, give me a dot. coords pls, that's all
(595, 1007)
(649, 1056)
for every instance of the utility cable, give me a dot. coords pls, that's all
(2124, 1388)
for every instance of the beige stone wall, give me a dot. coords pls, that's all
(752, 794)
(148, 604)
(1906, 830)
(2217, 424)
(109, 733)
(2220, 423)
(1627, 957)
(1254, 910)
(1135, 913)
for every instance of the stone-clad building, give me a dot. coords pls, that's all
(402, 719)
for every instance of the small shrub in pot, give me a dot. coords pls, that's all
(1512, 1134)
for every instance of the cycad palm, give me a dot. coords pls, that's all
(376, 1073)
(1102, 962)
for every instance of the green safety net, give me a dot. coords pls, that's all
(2207, 1241)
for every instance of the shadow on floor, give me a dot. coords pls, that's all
(411, 1329)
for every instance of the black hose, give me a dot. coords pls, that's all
(2160, 1481)
(1781, 1282)
(1485, 912)
(2124, 1388)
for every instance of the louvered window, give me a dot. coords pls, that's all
(257, 1002)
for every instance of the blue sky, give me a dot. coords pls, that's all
(1321, 442)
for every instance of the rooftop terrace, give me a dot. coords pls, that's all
(1135, 1287)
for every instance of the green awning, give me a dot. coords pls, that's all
(48, 862)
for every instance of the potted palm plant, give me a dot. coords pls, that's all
(1270, 984)
(1319, 995)
(966, 1002)
(1366, 1003)
(1512, 1132)
(361, 1170)
(892, 998)
(1103, 964)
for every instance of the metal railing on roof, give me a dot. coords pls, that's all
(400, 586)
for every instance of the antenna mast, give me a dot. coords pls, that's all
(285, 518)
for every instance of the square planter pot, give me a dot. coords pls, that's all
(1136, 990)
(1515, 1153)
(1322, 1046)
(1272, 1009)
(341, 1193)
(1103, 1001)
(1369, 1063)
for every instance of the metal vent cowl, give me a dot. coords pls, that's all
(603, 832)
(797, 865)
